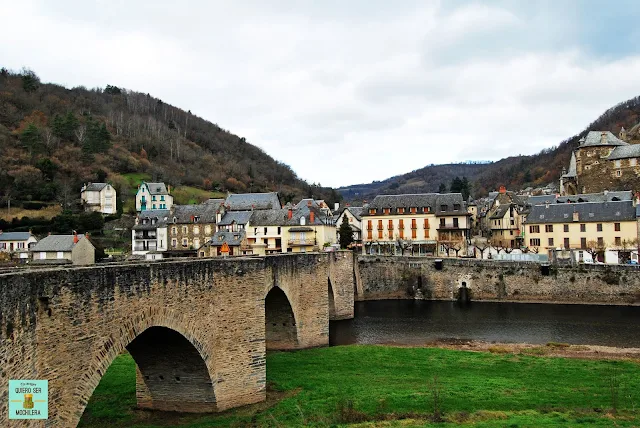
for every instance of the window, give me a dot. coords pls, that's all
(174, 242)
(456, 207)
(60, 255)
(153, 198)
(633, 162)
(618, 173)
(196, 243)
(390, 225)
(441, 222)
(534, 242)
(413, 210)
(618, 241)
(372, 211)
(566, 242)
(566, 228)
(185, 242)
(386, 210)
(369, 225)
(599, 227)
(279, 230)
(185, 229)
(174, 230)
(616, 227)
(207, 229)
(379, 229)
(455, 222)
(551, 242)
(414, 225)
(444, 207)
(401, 228)
(162, 198)
(265, 230)
(548, 228)
(583, 242)
(534, 229)
(583, 228)
(426, 223)
(400, 210)
(600, 241)
(153, 206)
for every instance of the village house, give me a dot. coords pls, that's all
(149, 234)
(354, 218)
(602, 162)
(153, 196)
(99, 197)
(429, 223)
(587, 231)
(64, 249)
(190, 227)
(20, 242)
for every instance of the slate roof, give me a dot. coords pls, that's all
(157, 188)
(55, 243)
(14, 236)
(161, 217)
(231, 238)
(95, 187)
(594, 138)
(587, 212)
(541, 199)
(356, 211)
(432, 200)
(625, 152)
(500, 211)
(269, 217)
(239, 217)
(249, 201)
(281, 217)
(573, 172)
(624, 195)
(183, 213)
(214, 201)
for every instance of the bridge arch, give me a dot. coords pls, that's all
(281, 328)
(174, 371)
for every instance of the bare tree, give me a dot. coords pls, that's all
(594, 248)
(81, 133)
(482, 245)
(404, 244)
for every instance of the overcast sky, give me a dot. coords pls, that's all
(349, 91)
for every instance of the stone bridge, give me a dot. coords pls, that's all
(197, 329)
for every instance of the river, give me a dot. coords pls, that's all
(416, 322)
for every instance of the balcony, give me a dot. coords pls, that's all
(301, 242)
(450, 227)
(145, 235)
(145, 246)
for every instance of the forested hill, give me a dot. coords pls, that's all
(52, 139)
(515, 172)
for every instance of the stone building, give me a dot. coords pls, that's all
(190, 227)
(602, 162)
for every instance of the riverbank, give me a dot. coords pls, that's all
(509, 385)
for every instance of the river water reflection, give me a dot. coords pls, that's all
(410, 322)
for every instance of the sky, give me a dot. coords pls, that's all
(348, 92)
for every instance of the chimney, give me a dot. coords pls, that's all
(312, 217)
(290, 213)
(309, 203)
(86, 235)
(603, 137)
(49, 234)
(503, 190)
(336, 206)
(546, 204)
(169, 188)
(347, 204)
(75, 237)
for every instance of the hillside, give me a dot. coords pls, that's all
(52, 139)
(515, 172)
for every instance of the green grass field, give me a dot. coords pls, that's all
(387, 386)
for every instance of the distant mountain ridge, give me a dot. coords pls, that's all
(515, 172)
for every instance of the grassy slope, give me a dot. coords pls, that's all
(478, 389)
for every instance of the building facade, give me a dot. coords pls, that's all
(149, 234)
(418, 224)
(64, 249)
(99, 197)
(594, 231)
(153, 196)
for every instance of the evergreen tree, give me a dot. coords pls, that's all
(465, 188)
(346, 233)
(442, 188)
(456, 185)
(30, 138)
(30, 80)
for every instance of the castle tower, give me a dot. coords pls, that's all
(623, 134)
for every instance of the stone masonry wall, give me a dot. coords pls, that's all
(341, 275)
(417, 277)
(67, 326)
